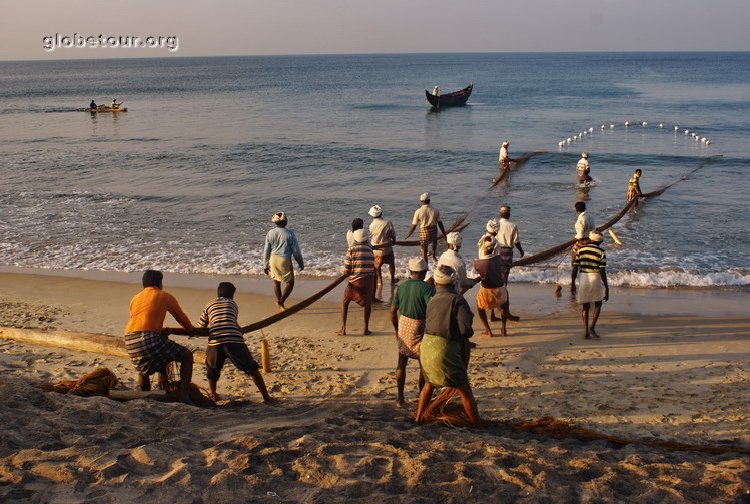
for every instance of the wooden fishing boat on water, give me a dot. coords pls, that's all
(105, 108)
(456, 98)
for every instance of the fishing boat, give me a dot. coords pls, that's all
(456, 98)
(105, 108)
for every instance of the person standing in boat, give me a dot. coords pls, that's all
(583, 169)
(435, 91)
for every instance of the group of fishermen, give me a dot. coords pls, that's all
(429, 313)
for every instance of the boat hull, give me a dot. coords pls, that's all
(105, 109)
(454, 99)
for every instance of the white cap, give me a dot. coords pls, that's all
(595, 236)
(445, 275)
(492, 226)
(424, 197)
(506, 143)
(585, 155)
(454, 238)
(417, 264)
(375, 211)
(278, 217)
(360, 236)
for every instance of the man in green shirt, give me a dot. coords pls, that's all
(408, 311)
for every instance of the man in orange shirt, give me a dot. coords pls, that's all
(149, 349)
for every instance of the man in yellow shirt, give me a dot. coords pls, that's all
(149, 349)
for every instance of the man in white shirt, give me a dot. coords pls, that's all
(583, 169)
(428, 220)
(382, 238)
(453, 258)
(507, 236)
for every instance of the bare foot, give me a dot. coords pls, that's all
(586, 336)
(488, 334)
(341, 332)
(213, 397)
(503, 333)
(367, 332)
(400, 403)
(280, 307)
(270, 400)
(514, 318)
(495, 318)
(594, 334)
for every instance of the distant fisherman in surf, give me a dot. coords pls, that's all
(583, 169)
(92, 105)
(634, 186)
(428, 220)
(504, 159)
(280, 246)
(591, 261)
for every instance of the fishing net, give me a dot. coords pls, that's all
(96, 383)
(444, 411)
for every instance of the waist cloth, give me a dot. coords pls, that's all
(150, 352)
(409, 336)
(590, 288)
(443, 362)
(361, 290)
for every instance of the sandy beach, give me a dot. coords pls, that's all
(672, 365)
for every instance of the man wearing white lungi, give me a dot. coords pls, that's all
(591, 261)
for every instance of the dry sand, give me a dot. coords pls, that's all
(335, 435)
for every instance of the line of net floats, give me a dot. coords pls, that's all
(627, 124)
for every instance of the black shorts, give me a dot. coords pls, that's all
(238, 353)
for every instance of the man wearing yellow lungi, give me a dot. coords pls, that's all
(408, 312)
(591, 261)
(280, 246)
(444, 353)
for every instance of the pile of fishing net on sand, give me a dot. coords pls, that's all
(443, 411)
(101, 381)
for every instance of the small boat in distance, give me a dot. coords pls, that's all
(105, 108)
(453, 99)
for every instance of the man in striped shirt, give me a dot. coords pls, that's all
(360, 266)
(225, 341)
(591, 262)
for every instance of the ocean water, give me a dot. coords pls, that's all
(188, 178)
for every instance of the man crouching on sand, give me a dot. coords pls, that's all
(149, 350)
(225, 341)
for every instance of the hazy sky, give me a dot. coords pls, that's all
(243, 27)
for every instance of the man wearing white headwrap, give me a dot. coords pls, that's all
(428, 220)
(583, 169)
(444, 353)
(453, 259)
(504, 159)
(492, 291)
(408, 312)
(279, 248)
(491, 230)
(359, 265)
(591, 261)
(382, 238)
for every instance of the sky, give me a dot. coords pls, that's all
(250, 27)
